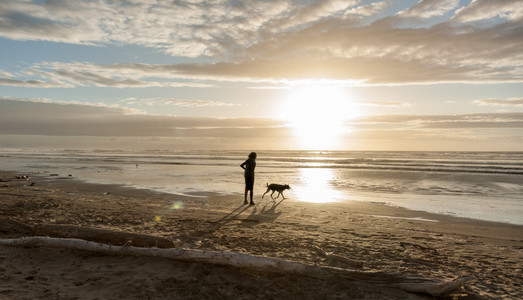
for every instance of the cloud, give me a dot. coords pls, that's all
(380, 53)
(384, 104)
(176, 102)
(46, 123)
(274, 40)
(5, 74)
(429, 8)
(45, 117)
(317, 10)
(484, 120)
(196, 103)
(36, 116)
(67, 75)
(181, 28)
(514, 102)
(367, 10)
(57, 21)
(484, 9)
(28, 83)
(471, 132)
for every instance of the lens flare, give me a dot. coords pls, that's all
(177, 205)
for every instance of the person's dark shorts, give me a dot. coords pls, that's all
(249, 183)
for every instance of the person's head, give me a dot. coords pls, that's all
(252, 155)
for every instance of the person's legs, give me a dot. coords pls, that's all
(249, 186)
(246, 190)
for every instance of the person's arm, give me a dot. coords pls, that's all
(243, 165)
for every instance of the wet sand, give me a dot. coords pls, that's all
(384, 238)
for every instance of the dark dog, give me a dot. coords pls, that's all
(277, 188)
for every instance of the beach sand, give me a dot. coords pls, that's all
(384, 238)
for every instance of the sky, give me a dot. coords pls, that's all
(429, 75)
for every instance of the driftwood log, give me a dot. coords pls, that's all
(124, 243)
(110, 237)
(343, 259)
(242, 260)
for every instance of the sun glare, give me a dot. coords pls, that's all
(317, 114)
(315, 186)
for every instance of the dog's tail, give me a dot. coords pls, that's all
(267, 184)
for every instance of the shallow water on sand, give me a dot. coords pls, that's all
(480, 185)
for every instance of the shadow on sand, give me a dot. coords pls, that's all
(267, 213)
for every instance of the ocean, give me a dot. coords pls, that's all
(478, 185)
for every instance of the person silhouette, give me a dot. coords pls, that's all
(249, 165)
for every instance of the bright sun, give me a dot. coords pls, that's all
(318, 113)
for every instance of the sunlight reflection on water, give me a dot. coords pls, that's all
(316, 186)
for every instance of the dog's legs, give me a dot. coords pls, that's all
(273, 194)
(265, 193)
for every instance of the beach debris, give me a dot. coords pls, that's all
(343, 259)
(431, 287)
(22, 177)
(53, 174)
(127, 244)
(110, 237)
(435, 289)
